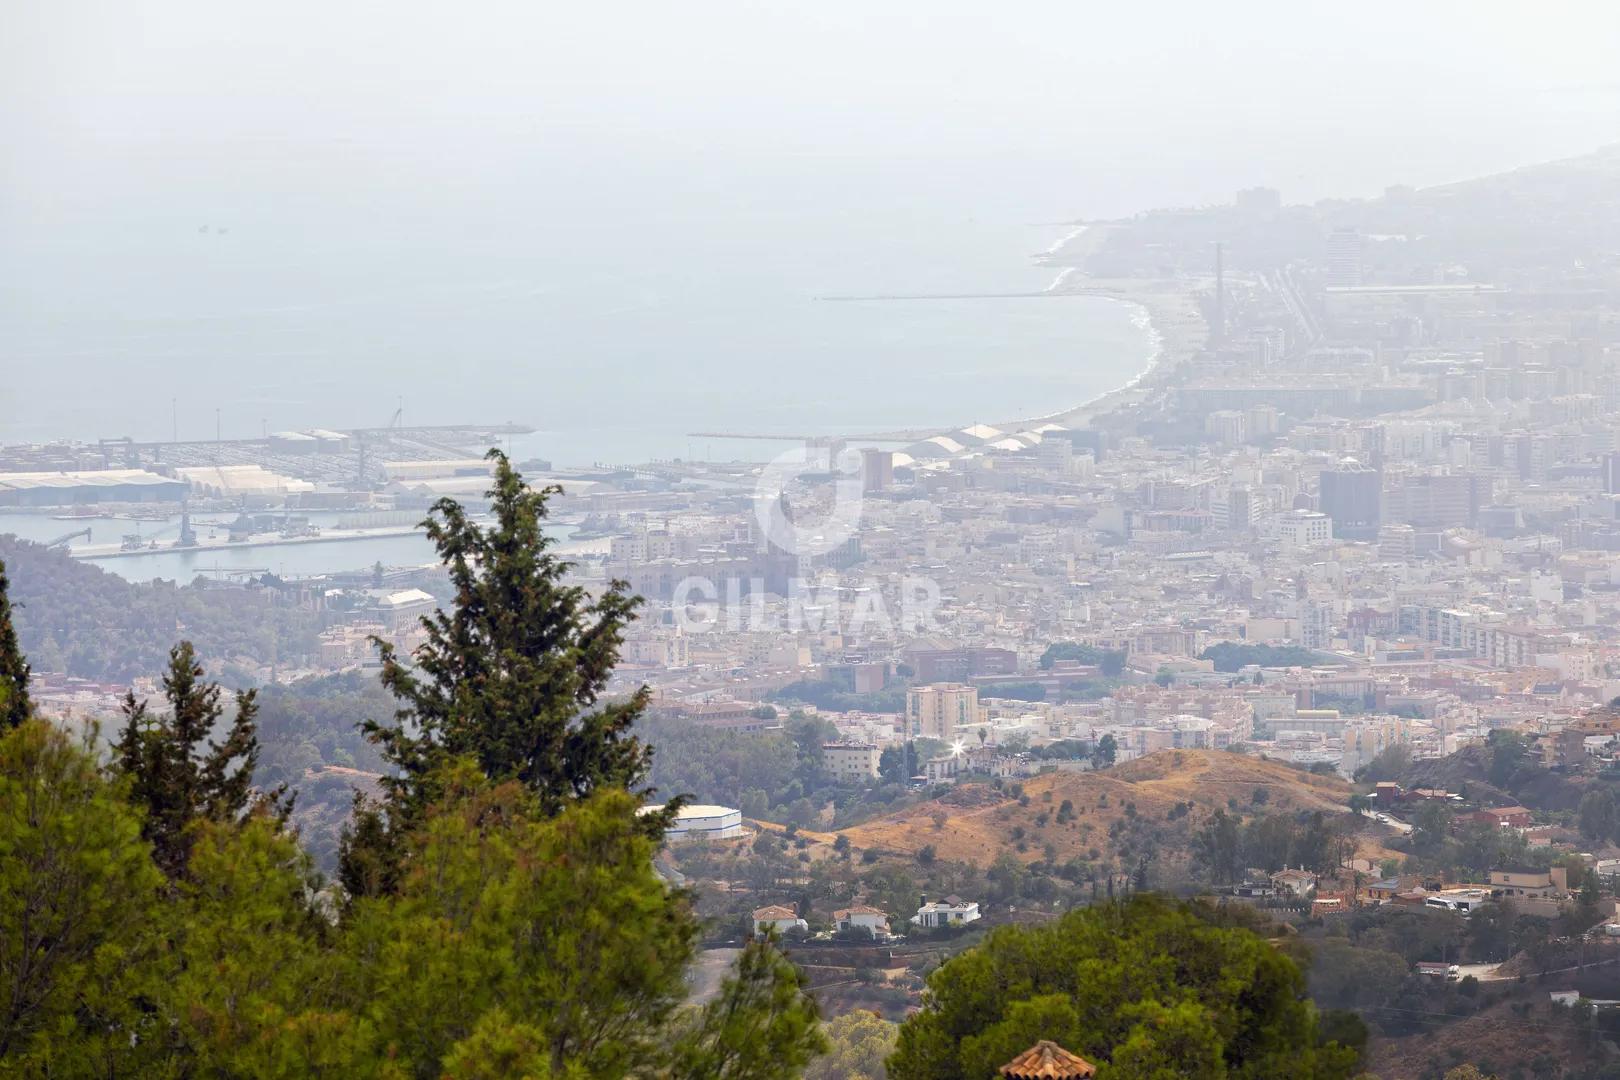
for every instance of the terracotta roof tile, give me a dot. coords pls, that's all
(1048, 1061)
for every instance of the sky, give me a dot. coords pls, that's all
(1127, 105)
(367, 155)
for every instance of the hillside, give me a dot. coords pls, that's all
(1503, 1040)
(1472, 770)
(75, 618)
(1553, 214)
(979, 822)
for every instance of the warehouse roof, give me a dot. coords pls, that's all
(105, 478)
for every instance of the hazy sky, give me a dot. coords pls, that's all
(1126, 104)
(505, 208)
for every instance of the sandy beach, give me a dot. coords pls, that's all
(1168, 305)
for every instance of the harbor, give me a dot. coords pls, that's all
(103, 552)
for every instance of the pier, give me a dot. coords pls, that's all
(99, 552)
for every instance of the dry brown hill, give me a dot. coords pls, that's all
(1499, 1040)
(974, 822)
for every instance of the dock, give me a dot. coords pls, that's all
(98, 552)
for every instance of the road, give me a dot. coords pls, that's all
(1488, 972)
(1482, 972)
(708, 971)
(1395, 823)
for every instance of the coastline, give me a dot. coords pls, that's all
(1173, 319)
(1168, 307)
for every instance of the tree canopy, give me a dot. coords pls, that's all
(14, 704)
(73, 617)
(158, 918)
(518, 945)
(1110, 662)
(511, 676)
(860, 1041)
(172, 778)
(1146, 988)
(1232, 656)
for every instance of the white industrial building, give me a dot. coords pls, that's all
(702, 822)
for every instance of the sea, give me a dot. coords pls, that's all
(231, 562)
(625, 319)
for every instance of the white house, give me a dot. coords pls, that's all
(944, 768)
(863, 917)
(778, 918)
(951, 911)
(1295, 882)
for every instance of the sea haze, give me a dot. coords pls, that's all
(614, 304)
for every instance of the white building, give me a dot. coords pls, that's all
(778, 918)
(403, 609)
(943, 769)
(862, 917)
(702, 822)
(851, 763)
(642, 546)
(1304, 528)
(951, 911)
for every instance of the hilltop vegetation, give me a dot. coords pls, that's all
(499, 914)
(1504, 771)
(76, 618)
(1151, 989)
(1115, 815)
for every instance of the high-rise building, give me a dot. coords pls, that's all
(1226, 426)
(1055, 454)
(1242, 508)
(1263, 421)
(877, 470)
(1352, 495)
(1083, 439)
(1611, 474)
(1344, 258)
(1444, 501)
(1533, 454)
(935, 712)
(1316, 624)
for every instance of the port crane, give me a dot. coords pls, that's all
(63, 541)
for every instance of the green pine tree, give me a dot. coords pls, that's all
(177, 779)
(516, 943)
(510, 676)
(14, 704)
(78, 898)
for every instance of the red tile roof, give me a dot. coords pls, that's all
(1048, 1061)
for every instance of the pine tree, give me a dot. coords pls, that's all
(14, 704)
(173, 776)
(77, 896)
(510, 676)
